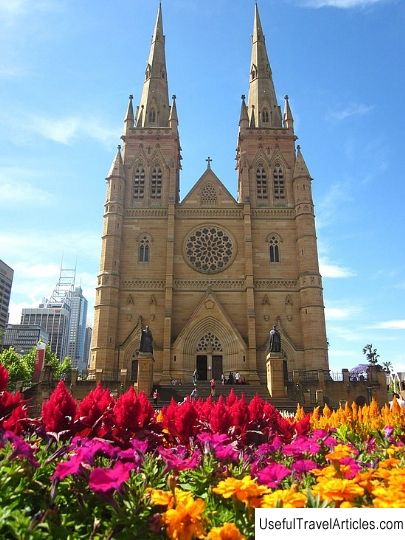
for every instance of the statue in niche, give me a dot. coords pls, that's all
(274, 343)
(146, 345)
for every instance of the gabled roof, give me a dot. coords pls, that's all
(193, 197)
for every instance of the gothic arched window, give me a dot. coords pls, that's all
(156, 183)
(152, 116)
(261, 182)
(265, 116)
(278, 183)
(139, 183)
(274, 248)
(144, 249)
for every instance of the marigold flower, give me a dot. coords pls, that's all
(245, 490)
(159, 497)
(228, 531)
(340, 451)
(338, 490)
(184, 521)
(285, 498)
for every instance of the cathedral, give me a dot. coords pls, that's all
(209, 275)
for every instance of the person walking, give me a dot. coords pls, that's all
(155, 396)
(212, 387)
(195, 376)
(194, 394)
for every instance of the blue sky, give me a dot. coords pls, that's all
(68, 66)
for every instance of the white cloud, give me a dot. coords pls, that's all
(338, 313)
(15, 188)
(398, 324)
(353, 109)
(66, 130)
(344, 4)
(336, 197)
(13, 9)
(328, 270)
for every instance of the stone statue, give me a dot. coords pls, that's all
(274, 340)
(146, 345)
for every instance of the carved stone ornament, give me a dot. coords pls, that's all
(209, 249)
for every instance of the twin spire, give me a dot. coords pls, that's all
(261, 110)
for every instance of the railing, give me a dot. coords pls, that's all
(336, 376)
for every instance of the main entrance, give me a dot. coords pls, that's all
(202, 366)
(209, 366)
(217, 367)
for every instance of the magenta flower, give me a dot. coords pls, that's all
(176, 458)
(220, 444)
(103, 480)
(273, 474)
(302, 466)
(66, 468)
(354, 467)
(21, 448)
(301, 445)
(324, 437)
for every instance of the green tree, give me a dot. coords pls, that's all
(388, 367)
(17, 367)
(371, 354)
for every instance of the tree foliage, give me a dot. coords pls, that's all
(371, 354)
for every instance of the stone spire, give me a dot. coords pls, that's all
(300, 168)
(287, 116)
(261, 91)
(244, 116)
(173, 119)
(155, 96)
(117, 166)
(129, 117)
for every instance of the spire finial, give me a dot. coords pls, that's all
(208, 160)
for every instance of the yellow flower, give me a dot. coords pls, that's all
(228, 531)
(245, 490)
(388, 498)
(340, 451)
(284, 498)
(327, 472)
(160, 497)
(184, 522)
(338, 490)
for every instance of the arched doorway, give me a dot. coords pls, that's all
(209, 357)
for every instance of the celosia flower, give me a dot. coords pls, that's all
(103, 480)
(273, 474)
(185, 520)
(59, 410)
(3, 378)
(176, 458)
(245, 490)
(284, 498)
(95, 411)
(132, 412)
(15, 421)
(229, 531)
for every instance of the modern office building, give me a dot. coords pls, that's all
(23, 337)
(87, 344)
(6, 282)
(77, 329)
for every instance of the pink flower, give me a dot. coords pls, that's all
(176, 458)
(21, 448)
(273, 474)
(302, 466)
(220, 443)
(301, 445)
(103, 480)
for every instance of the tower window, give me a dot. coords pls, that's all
(265, 116)
(274, 249)
(144, 249)
(278, 183)
(152, 116)
(156, 183)
(261, 182)
(139, 183)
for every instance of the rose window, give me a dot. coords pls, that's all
(209, 249)
(209, 341)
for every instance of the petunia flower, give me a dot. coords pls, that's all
(21, 448)
(301, 445)
(103, 480)
(273, 474)
(176, 458)
(302, 466)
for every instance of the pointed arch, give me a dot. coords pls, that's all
(144, 247)
(274, 241)
(156, 179)
(138, 186)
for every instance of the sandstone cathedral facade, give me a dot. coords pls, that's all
(210, 274)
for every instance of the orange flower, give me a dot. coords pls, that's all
(184, 522)
(340, 451)
(160, 497)
(284, 498)
(245, 490)
(327, 472)
(228, 531)
(338, 490)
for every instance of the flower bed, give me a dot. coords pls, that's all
(106, 468)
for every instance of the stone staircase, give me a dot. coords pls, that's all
(178, 393)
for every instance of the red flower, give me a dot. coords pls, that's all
(59, 411)
(8, 402)
(240, 414)
(181, 420)
(220, 418)
(132, 412)
(3, 378)
(95, 411)
(14, 421)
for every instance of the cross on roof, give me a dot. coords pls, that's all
(208, 160)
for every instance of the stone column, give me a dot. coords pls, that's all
(275, 375)
(145, 372)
